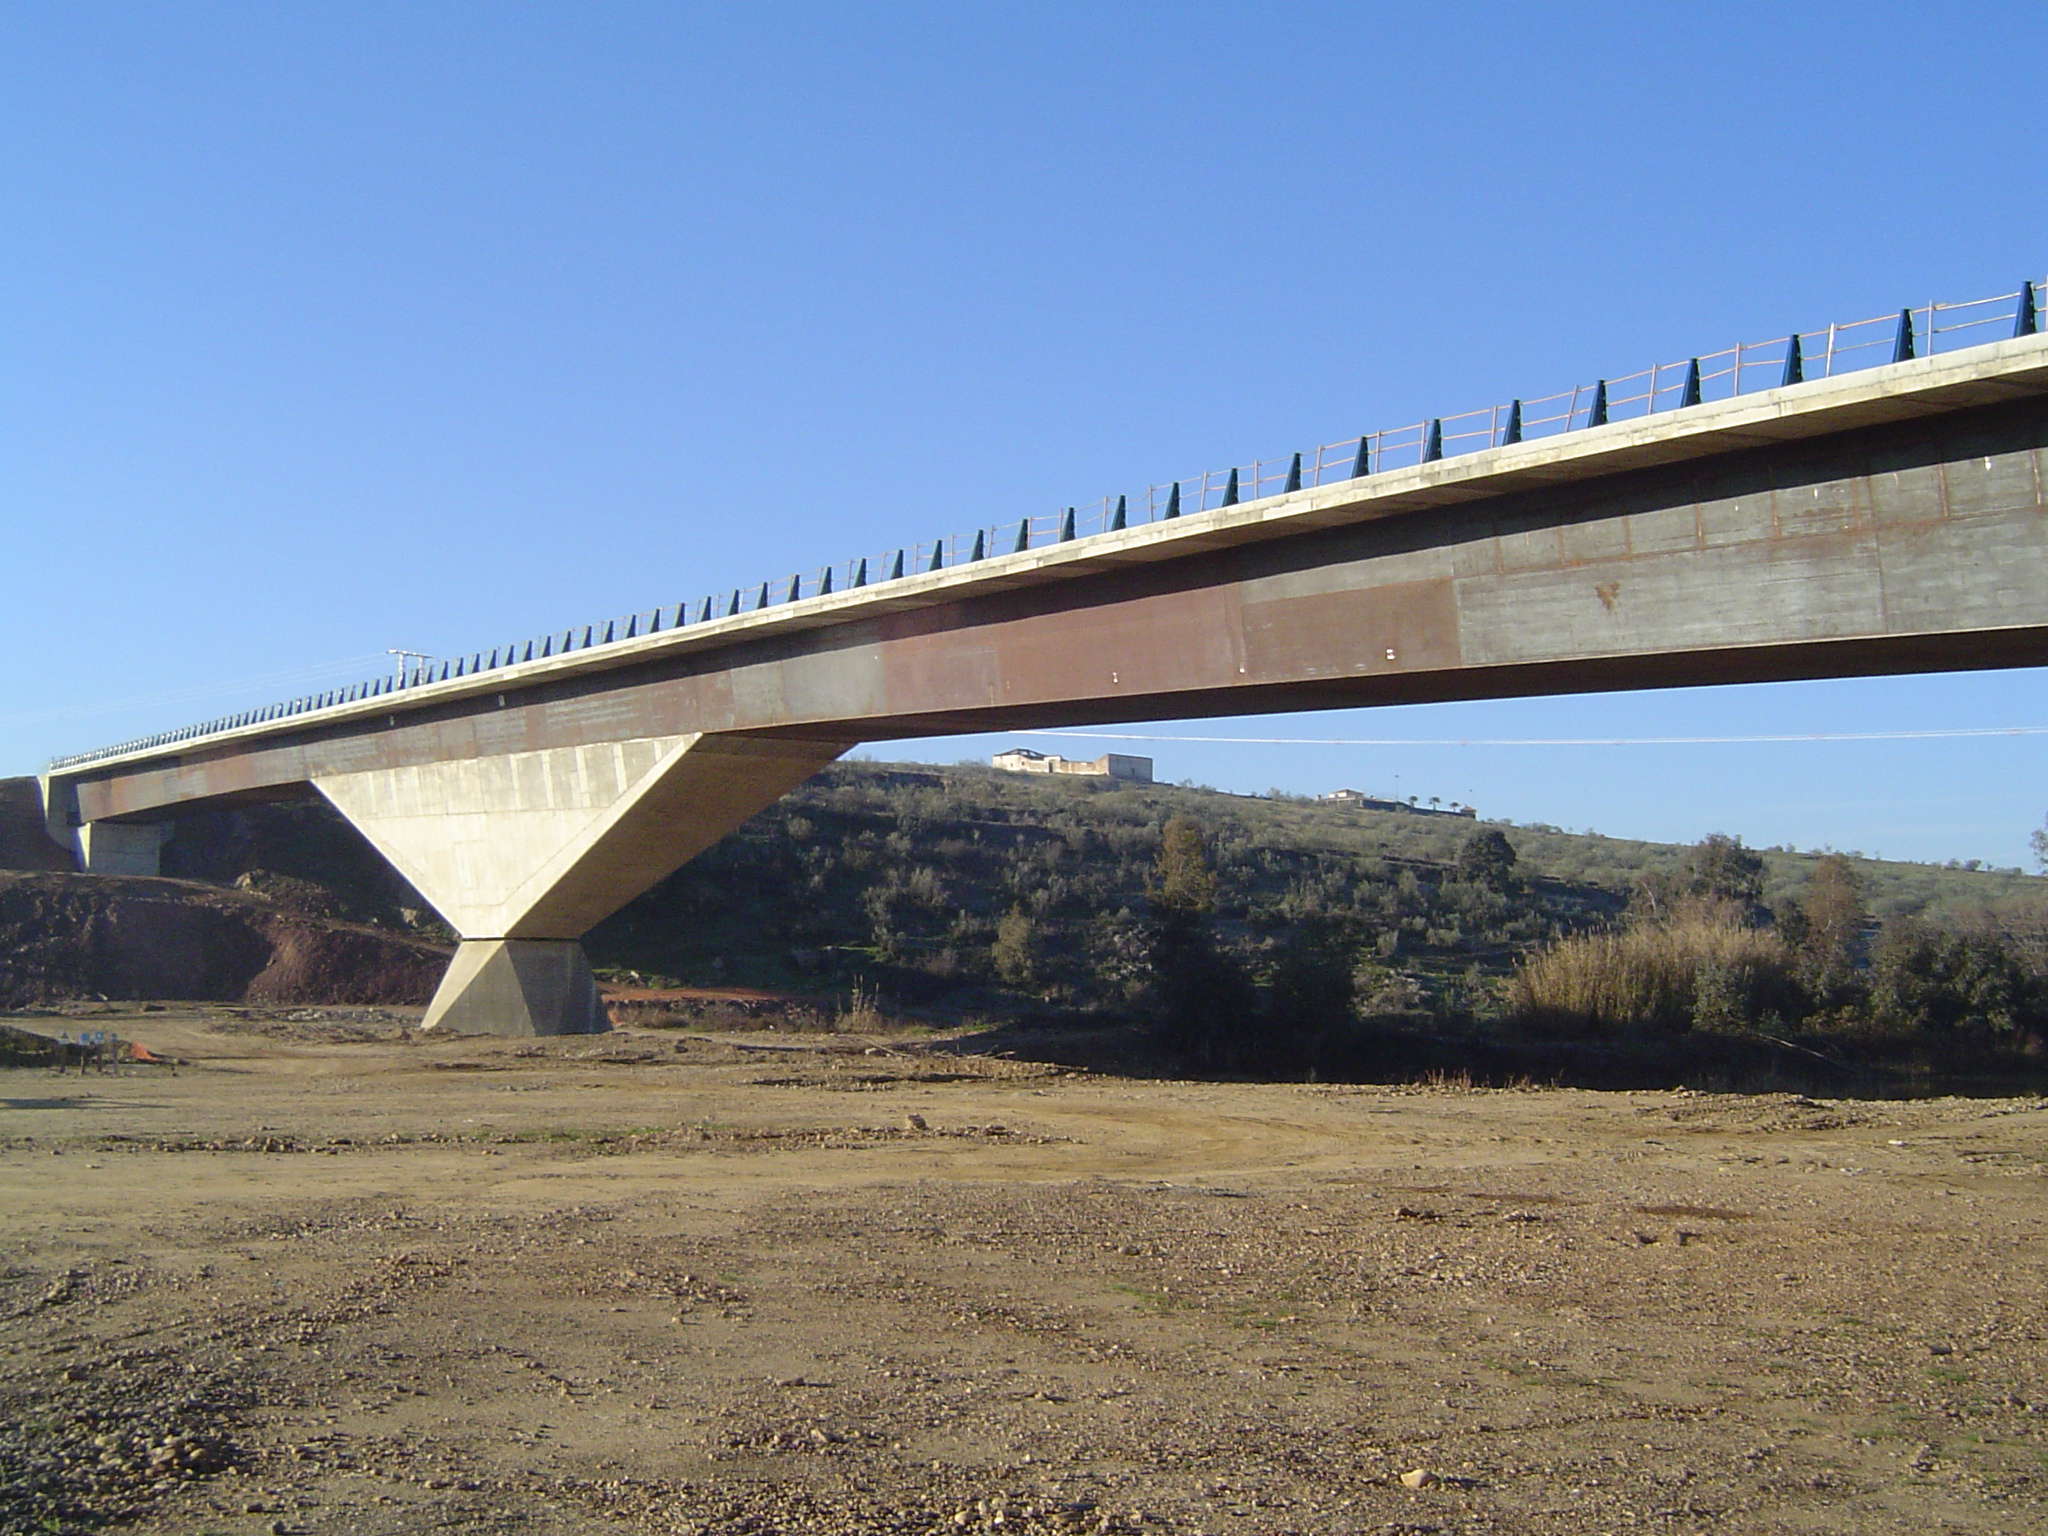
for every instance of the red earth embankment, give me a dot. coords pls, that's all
(24, 844)
(68, 935)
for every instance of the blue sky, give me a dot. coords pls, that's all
(429, 325)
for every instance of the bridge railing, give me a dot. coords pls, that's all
(1742, 369)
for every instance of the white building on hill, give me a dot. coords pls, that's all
(1111, 765)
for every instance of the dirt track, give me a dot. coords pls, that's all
(330, 1279)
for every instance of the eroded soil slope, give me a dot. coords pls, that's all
(70, 936)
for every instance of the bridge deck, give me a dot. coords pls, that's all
(1898, 393)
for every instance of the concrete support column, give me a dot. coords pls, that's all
(523, 852)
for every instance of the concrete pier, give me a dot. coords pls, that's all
(522, 852)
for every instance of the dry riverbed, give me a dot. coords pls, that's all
(331, 1278)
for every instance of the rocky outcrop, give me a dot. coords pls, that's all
(69, 935)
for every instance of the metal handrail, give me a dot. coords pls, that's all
(1745, 368)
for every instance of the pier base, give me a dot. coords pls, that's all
(518, 987)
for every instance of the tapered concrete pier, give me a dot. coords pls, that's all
(523, 852)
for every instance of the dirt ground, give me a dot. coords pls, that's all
(331, 1278)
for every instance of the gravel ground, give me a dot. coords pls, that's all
(334, 1278)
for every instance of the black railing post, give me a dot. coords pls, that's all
(1690, 394)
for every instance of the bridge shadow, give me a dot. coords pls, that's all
(1394, 1054)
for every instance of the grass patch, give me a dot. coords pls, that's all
(1156, 1302)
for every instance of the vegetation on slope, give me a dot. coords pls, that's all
(1276, 935)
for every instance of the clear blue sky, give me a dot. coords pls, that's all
(340, 328)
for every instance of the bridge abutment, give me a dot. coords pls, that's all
(122, 847)
(101, 847)
(523, 852)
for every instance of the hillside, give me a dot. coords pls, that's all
(915, 867)
(965, 892)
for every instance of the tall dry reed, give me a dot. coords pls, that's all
(1701, 964)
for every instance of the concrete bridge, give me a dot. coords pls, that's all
(1888, 520)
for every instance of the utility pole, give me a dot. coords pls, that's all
(406, 658)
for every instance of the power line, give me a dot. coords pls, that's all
(1955, 734)
(94, 708)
